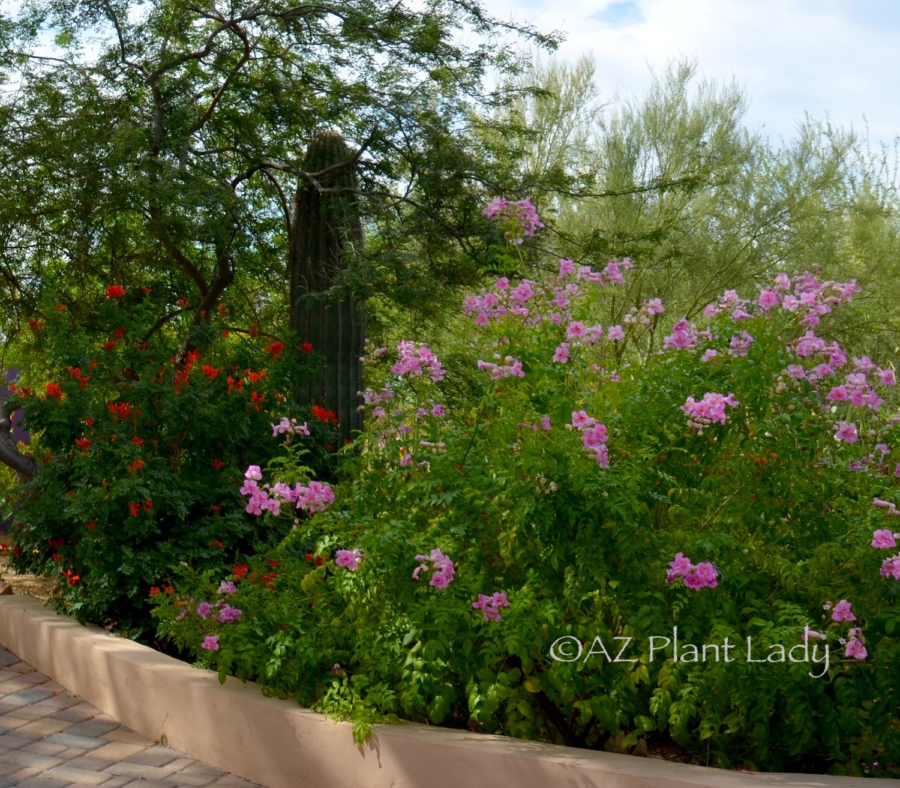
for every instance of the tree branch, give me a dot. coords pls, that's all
(111, 15)
(169, 245)
(10, 455)
(221, 91)
(312, 178)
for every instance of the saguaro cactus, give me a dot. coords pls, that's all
(326, 227)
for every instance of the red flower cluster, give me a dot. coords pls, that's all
(136, 466)
(240, 571)
(83, 443)
(36, 325)
(135, 508)
(209, 371)
(275, 349)
(115, 291)
(76, 373)
(306, 347)
(122, 409)
(325, 416)
(54, 390)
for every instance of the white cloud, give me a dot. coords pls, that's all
(792, 56)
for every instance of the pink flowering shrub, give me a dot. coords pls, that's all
(548, 474)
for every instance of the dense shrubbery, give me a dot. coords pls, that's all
(724, 487)
(141, 456)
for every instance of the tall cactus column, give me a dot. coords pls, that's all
(326, 228)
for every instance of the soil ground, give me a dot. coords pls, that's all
(38, 587)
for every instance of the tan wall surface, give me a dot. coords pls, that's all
(275, 742)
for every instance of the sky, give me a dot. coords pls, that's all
(839, 58)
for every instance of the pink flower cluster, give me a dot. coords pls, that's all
(642, 316)
(842, 611)
(415, 359)
(350, 559)
(370, 397)
(507, 300)
(740, 344)
(544, 424)
(710, 410)
(270, 498)
(522, 212)
(685, 336)
(846, 432)
(442, 566)
(313, 498)
(512, 368)
(731, 303)
(890, 567)
(855, 647)
(654, 306)
(612, 274)
(883, 539)
(491, 605)
(289, 425)
(803, 295)
(703, 575)
(536, 302)
(811, 633)
(221, 611)
(228, 614)
(593, 437)
(579, 335)
(891, 508)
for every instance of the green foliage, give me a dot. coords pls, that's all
(139, 456)
(164, 140)
(781, 507)
(677, 180)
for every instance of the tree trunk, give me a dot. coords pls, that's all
(327, 231)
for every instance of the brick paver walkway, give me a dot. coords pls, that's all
(49, 738)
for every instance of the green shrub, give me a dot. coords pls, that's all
(579, 506)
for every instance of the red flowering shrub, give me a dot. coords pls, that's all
(143, 455)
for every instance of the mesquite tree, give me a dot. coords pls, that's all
(326, 232)
(164, 153)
